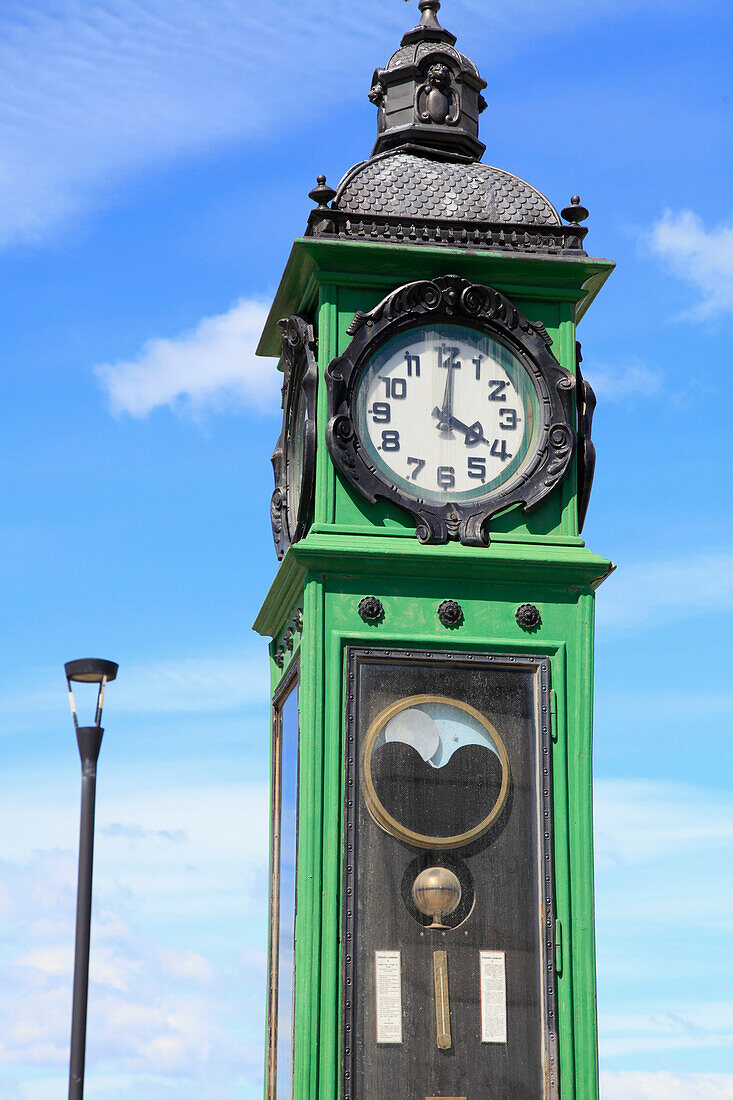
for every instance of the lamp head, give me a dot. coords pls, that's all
(90, 670)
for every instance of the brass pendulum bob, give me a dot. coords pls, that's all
(437, 893)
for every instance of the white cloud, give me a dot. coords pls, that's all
(676, 1028)
(214, 365)
(620, 383)
(227, 682)
(661, 592)
(666, 1086)
(225, 826)
(661, 850)
(701, 257)
(655, 707)
(664, 900)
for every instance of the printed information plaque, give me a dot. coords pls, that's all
(492, 969)
(388, 970)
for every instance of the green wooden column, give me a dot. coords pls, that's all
(354, 549)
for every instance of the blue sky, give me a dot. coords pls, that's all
(155, 164)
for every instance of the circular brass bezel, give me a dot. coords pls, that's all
(389, 823)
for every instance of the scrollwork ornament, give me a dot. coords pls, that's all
(291, 504)
(454, 299)
(432, 297)
(586, 447)
(473, 299)
(343, 429)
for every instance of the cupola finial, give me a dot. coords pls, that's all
(429, 18)
(428, 29)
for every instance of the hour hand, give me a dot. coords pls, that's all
(473, 433)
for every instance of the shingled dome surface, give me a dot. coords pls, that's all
(406, 184)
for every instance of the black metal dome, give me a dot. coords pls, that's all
(407, 183)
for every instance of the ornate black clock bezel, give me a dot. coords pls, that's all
(300, 370)
(451, 298)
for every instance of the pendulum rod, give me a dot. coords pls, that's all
(442, 1003)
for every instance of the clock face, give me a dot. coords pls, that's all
(448, 412)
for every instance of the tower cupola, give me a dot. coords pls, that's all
(428, 93)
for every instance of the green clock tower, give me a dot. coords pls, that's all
(432, 929)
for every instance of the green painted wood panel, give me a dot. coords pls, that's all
(560, 581)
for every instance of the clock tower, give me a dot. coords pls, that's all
(431, 621)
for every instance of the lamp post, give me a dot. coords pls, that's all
(88, 670)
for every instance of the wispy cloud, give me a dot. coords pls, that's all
(661, 592)
(92, 93)
(619, 383)
(175, 1006)
(136, 832)
(698, 1026)
(653, 706)
(700, 257)
(666, 1086)
(208, 684)
(213, 870)
(663, 911)
(212, 366)
(638, 821)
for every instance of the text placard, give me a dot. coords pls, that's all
(388, 969)
(492, 976)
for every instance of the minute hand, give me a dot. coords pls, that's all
(446, 412)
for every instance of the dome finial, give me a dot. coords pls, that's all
(430, 9)
(428, 28)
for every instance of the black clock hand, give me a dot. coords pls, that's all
(473, 433)
(446, 412)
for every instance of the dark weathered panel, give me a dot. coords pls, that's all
(505, 872)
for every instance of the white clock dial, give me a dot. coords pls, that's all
(449, 412)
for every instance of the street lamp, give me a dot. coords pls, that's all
(88, 670)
